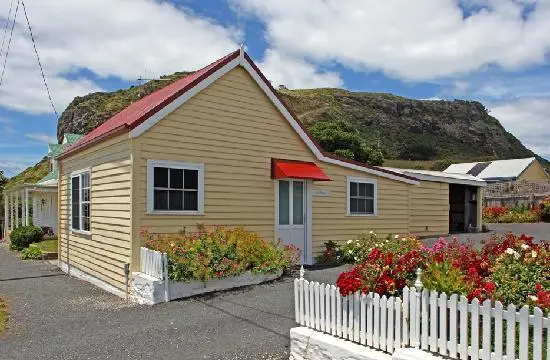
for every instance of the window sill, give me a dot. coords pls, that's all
(176, 213)
(80, 232)
(361, 215)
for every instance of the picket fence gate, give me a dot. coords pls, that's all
(447, 325)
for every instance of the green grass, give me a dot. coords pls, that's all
(3, 315)
(47, 245)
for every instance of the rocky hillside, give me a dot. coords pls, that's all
(405, 129)
(412, 129)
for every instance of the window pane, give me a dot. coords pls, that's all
(191, 201)
(86, 224)
(361, 206)
(161, 177)
(353, 189)
(175, 199)
(284, 194)
(191, 179)
(370, 206)
(86, 194)
(86, 217)
(75, 219)
(75, 191)
(85, 180)
(370, 190)
(362, 189)
(353, 206)
(160, 200)
(176, 179)
(298, 203)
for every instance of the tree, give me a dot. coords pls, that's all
(342, 138)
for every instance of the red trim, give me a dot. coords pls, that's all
(137, 113)
(294, 169)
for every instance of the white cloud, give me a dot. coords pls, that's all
(296, 73)
(43, 138)
(528, 119)
(411, 40)
(109, 38)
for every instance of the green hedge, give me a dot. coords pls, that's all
(23, 236)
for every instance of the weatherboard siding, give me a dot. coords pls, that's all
(234, 130)
(330, 219)
(103, 253)
(534, 171)
(429, 208)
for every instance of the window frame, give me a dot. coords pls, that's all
(352, 179)
(152, 164)
(75, 174)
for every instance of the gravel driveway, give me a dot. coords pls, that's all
(53, 316)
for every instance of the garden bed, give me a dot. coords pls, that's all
(147, 290)
(212, 259)
(508, 268)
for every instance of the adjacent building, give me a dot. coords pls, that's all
(502, 170)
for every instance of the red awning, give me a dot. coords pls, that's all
(281, 169)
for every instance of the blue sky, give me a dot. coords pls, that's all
(494, 51)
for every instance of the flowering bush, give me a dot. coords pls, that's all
(510, 269)
(492, 213)
(519, 214)
(332, 255)
(358, 250)
(386, 268)
(220, 252)
(544, 209)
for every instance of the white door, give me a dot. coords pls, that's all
(291, 214)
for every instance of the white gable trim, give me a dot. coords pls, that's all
(241, 60)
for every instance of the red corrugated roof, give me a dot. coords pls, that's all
(136, 113)
(281, 169)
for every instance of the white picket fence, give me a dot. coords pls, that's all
(450, 326)
(153, 263)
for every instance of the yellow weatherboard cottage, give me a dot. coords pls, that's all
(220, 147)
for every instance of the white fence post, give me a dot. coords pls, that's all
(417, 315)
(166, 280)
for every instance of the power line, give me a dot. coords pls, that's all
(6, 28)
(9, 43)
(38, 58)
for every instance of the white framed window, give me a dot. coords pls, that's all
(175, 187)
(80, 201)
(362, 196)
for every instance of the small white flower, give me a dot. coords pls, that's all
(371, 232)
(525, 246)
(396, 237)
(350, 251)
(510, 251)
(355, 258)
(516, 255)
(533, 254)
(350, 241)
(533, 298)
(403, 239)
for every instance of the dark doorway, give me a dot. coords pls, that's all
(462, 208)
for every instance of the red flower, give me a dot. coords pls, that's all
(490, 287)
